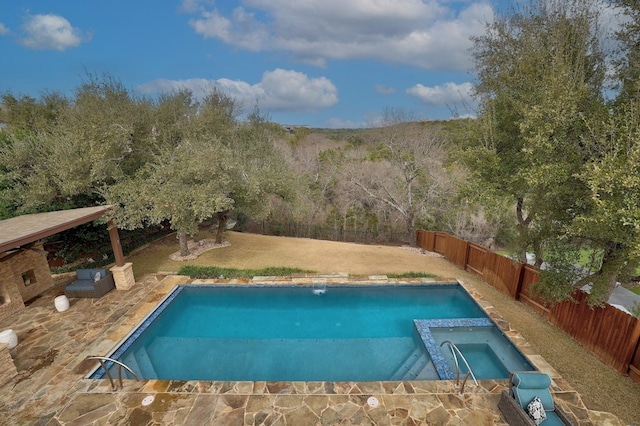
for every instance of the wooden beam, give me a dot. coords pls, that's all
(115, 242)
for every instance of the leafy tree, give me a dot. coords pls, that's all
(96, 141)
(611, 224)
(628, 58)
(540, 78)
(206, 165)
(185, 184)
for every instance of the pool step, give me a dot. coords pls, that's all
(144, 363)
(140, 364)
(359, 359)
(417, 366)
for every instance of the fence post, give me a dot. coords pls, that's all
(519, 281)
(466, 254)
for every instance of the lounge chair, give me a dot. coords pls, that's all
(90, 283)
(524, 387)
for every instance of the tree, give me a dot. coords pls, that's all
(628, 58)
(67, 158)
(259, 171)
(404, 170)
(540, 81)
(611, 223)
(206, 165)
(185, 184)
(189, 177)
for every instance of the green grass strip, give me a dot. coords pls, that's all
(202, 272)
(411, 275)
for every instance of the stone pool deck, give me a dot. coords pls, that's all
(49, 387)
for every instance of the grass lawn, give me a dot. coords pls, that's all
(251, 251)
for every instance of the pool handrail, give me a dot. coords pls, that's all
(455, 349)
(121, 365)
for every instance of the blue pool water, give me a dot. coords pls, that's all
(302, 333)
(489, 354)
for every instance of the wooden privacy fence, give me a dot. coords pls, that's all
(611, 334)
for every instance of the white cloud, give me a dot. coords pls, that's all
(424, 33)
(191, 6)
(3, 30)
(50, 32)
(279, 90)
(447, 94)
(384, 90)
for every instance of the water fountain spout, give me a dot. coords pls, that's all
(319, 289)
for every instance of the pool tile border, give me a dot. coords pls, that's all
(437, 357)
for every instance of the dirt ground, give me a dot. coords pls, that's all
(601, 387)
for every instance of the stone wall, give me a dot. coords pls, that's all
(10, 297)
(31, 273)
(24, 274)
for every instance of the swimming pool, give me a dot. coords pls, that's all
(315, 333)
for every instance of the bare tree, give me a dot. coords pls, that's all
(404, 170)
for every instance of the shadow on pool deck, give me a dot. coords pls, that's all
(50, 387)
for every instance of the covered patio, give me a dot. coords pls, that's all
(24, 271)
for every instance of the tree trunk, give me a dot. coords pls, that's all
(537, 251)
(411, 229)
(523, 227)
(222, 225)
(612, 265)
(184, 247)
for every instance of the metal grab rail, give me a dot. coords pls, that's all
(121, 365)
(455, 349)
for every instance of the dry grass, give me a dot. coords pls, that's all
(602, 388)
(251, 251)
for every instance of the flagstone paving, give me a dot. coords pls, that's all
(50, 389)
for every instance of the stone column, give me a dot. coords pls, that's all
(123, 276)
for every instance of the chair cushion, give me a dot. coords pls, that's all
(528, 385)
(82, 285)
(552, 420)
(525, 396)
(89, 274)
(533, 380)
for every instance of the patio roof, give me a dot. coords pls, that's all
(26, 229)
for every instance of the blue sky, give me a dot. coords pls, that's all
(322, 63)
